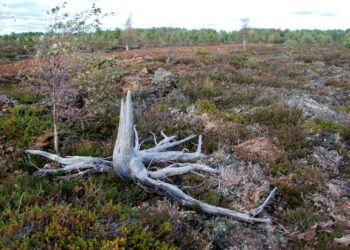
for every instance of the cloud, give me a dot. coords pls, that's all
(23, 16)
(319, 13)
(219, 14)
(304, 13)
(329, 14)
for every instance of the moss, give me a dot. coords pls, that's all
(200, 52)
(78, 213)
(20, 190)
(205, 106)
(319, 124)
(24, 124)
(70, 227)
(345, 109)
(24, 96)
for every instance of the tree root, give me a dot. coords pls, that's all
(129, 164)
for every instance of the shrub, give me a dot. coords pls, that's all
(87, 148)
(294, 187)
(200, 87)
(307, 58)
(24, 124)
(205, 106)
(347, 41)
(345, 133)
(200, 52)
(338, 84)
(238, 61)
(7, 54)
(307, 218)
(284, 124)
(25, 96)
(67, 227)
(104, 125)
(318, 124)
(345, 109)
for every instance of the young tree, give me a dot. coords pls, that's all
(245, 32)
(169, 40)
(58, 54)
(128, 33)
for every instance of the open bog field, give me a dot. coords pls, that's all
(272, 116)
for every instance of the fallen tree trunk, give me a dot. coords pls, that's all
(129, 161)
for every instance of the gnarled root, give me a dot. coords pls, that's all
(129, 163)
(75, 165)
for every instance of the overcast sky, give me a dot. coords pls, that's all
(218, 14)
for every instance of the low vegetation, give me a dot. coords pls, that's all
(229, 97)
(23, 124)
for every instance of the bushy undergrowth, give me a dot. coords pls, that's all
(72, 227)
(319, 124)
(231, 98)
(24, 124)
(284, 124)
(93, 213)
(23, 95)
(345, 109)
(297, 184)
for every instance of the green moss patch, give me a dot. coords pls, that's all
(24, 124)
(319, 124)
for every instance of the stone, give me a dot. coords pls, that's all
(6, 100)
(311, 109)
(329, 160)
(165, 80)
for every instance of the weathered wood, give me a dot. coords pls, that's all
(129, 164)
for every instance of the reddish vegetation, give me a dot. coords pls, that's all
(259, 149)
(13, 68)
(256, 106)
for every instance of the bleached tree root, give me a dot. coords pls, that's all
(179, 169)
(78, 165)
(129, 162)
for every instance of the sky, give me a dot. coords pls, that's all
(30, 15)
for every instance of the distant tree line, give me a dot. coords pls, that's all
(179, 36)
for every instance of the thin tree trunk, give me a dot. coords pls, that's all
(54, 119)
(244, 43)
